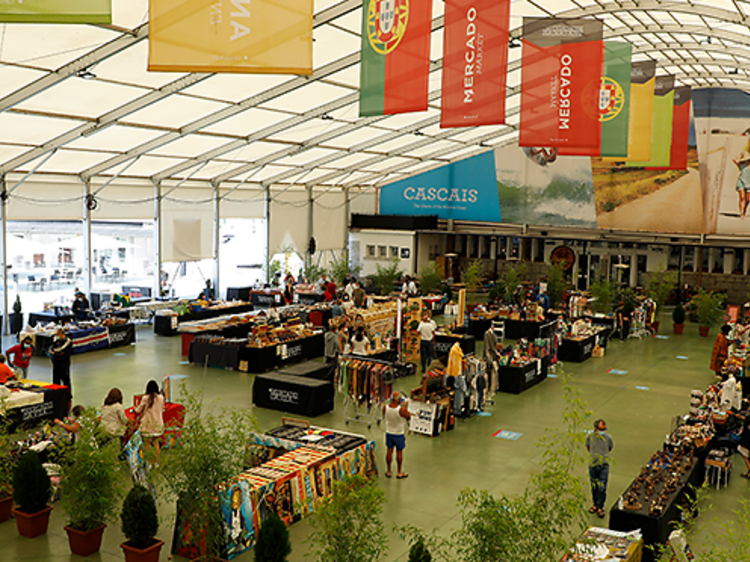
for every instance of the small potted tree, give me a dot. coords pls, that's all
(140, 523)
(90, 490)
(678, 318)
(31, 492)
(660, 286)
(708, 308)
(273, 541)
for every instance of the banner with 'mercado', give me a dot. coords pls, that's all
(561, 68)
(261, 36)
(56, 11)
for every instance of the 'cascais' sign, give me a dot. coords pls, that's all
(441, 194)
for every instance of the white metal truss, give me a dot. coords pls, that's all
(703, 43)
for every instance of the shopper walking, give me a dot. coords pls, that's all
(20, 356)
(720, 352)
(426, 329)
(151, 412)
(60, 352)
(395, 412)
(599, 444)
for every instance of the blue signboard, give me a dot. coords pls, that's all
(465, 190)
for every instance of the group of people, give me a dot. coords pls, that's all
(19, 356)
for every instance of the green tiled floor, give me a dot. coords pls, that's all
(438, 467)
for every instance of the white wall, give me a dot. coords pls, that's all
(388, 239)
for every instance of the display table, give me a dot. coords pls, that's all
(655, 529)
(308, 298)
(605, 545)
(239, 293)
(516, 379)
(290, 393)
(311, 369)
(167, 325)
(517, 329)
(92, 339)
(264, 299)
(47, 316)
(255, 359)
(577, 351)
(444, 342)
(42, 401)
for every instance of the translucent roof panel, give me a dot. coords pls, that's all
(228, 127)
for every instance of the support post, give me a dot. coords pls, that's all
(5, 323)
(157, 239)
(310, 227)
(217, 239)
(268, 232)
(87, 246)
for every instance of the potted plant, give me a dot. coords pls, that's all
(31, 492)
(602, 293)
(273, 541)
(140, 523)
(6, 468)
(678, 318)
(211, 453)
(430, 277)
(472, 278)
(16, 319)
(660, 286)
(385, 278)
(708, 308)
(90, 490)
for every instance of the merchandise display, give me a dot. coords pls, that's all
(448, 334)
(380, 318)
(579, 340)
(88, 335)
(307, 294)
(29, 402)
(411, 317)
(605, 545)
(366, 383)
(524, 364)
(167, 321)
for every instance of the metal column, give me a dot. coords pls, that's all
(217, 239)
(310, 228)
(87, 249)
(4, 253)
(268, 230)
(157, 239)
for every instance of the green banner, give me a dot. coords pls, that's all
(615, 98)
(56, 11)
(661, 130)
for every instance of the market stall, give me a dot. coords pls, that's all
(307, 294)
(605, 545)
(302, 396)
(87, 336)
(29, 402)
(56, 316)
(265, 298)
(579, 343)
(517, 378)
(445, 340)
(167, 321)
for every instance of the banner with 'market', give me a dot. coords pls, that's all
(561, 67)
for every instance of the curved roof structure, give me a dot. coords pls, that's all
(77, 100)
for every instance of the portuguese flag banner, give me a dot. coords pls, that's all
(262, 36)
(661, 128)
(395, 65)
(56, 11)
(475, 62)
(614, 103)
(561, 68)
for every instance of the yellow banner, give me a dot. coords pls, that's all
(641, 120)
(258, 36)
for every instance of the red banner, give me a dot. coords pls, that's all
(678, 159)
(561, 69)
(475, 62)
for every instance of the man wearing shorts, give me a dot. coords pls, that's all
(395, 412)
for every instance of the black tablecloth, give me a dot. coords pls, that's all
(517, 329)
(264, 300)
(294, 394)
(239, 293)
(121, 335)
(308, 298)
(45, 317)
(576, 351)
(655, 529)
(164, 325)
(220, 356)
(55, 406)
(310, 369)
(515, 380)
(443, 344)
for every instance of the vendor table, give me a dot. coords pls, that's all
(166, 325)
(47, 316)
(256, 359)
(308, 298)
(601, 320)
(320, 318)
(101, 337)
(310, 369)
(290, 393)
(263, 299)
(515, 379)
(517, 329)
(655, 529)
(239, 293)
(42, 401)
(443, 343)
(577, 351)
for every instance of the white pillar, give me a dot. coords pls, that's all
(5, 324)
(728, 261)
(87, 249)
(217, 240)
(157, 239)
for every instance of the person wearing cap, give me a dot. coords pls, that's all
(720, 352)
(395, 412)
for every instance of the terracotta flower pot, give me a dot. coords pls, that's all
(656, 326)
(6, 506)
(32, 524)
(148, 554)
(678, 328)
(703, 331)
(85, 543)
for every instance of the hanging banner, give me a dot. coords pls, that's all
(642, 80)
(614, 103)
(56, 11)
(661, 127)
(678, 157)
(395, 64)
(265, 36)
(475, 62)
(560, 73)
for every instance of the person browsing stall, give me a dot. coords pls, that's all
(20, 356)
(5, 371)
(60, 352)
(151, 412)
(395, 412)
(426, 329)
(360, 344)
(720, 351)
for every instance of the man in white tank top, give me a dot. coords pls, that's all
(395, 412)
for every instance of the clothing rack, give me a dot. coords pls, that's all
(365, 389)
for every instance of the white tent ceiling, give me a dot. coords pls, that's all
(285, 130)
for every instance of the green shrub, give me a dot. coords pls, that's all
(31, 484)
(678, 314)
(273, 541)
(419, 552)
(429, 277)
(139, 518)
(385, 278)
